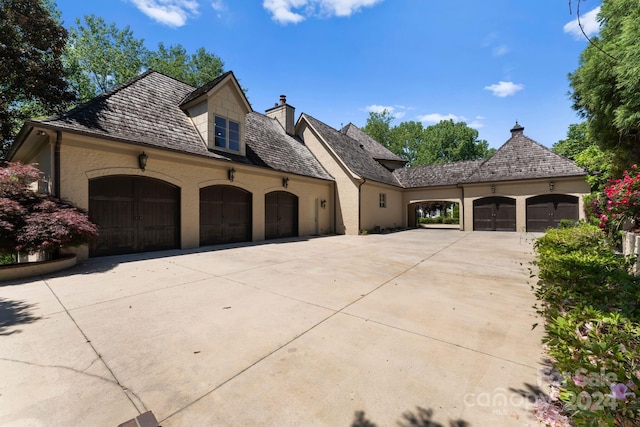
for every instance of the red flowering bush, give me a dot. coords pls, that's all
(31, 221)
(622, 200)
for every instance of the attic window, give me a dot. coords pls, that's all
(227, 134)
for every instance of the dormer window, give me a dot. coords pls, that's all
(227, 134)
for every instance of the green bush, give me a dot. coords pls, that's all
(590, 303)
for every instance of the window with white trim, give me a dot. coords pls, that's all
(382, 198)
(227, 134)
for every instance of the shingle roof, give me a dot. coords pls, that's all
(352, 153)
(436, 175)
(274, 148)
(375, 149)
(523, 158)
(147, 111)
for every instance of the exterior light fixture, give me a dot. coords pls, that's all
(285, 181)
(323, 203)
(493, 188)
(551, 185)
(231, 174)
(142, 161)
(41, 133)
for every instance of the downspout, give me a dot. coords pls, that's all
(335, 208)
(360, 204)
(56, 165)
(461, 187)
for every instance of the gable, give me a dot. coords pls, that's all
(218, 110)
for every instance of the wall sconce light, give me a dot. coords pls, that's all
(142, 161)
(285, 181)
(323, 203)
(551, 185)
(231, 174)
(41, 133)
(493, 188)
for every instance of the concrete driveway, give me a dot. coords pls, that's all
(418, 326)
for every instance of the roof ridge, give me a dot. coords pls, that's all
(201, 90)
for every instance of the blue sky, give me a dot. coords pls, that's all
(485, 63)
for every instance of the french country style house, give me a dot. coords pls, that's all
(159, 164)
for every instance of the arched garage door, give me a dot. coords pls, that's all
(225, 215)
(134, 214)
(548, 210)
(494, 214)
(281, 215)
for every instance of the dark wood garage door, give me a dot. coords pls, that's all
(546, 211)
(225, 215)
(281, 215)
(134, 214)
(494, 214)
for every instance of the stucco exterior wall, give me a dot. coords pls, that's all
(521, 191)
(83, 159)
(346, 198)
(372, 214)
(226, 103)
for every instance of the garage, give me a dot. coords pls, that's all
(281, 215)
(225, 215)
(494, 214)
(548, 210)
(134, 214)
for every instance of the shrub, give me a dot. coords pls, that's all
(589, 302)
(31, 221)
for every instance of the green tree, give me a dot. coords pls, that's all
(406, 139)
(605, 86)
(587, 154)
(100, 56)
(575, 143)
(32, 77)
(378, 127)
(450, 141)
(195, 69)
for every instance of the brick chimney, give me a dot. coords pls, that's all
(284, 114)
(517, 130)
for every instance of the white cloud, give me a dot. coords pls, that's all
(393, 110)
(589, 23)
(437, 117)
(504, 89)
(500, 50)
(173, 13)
(218, 5)
(294, 11)
(476, 123)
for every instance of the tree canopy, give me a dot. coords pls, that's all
(444, 142)
(580, 147)
(100, 56)
(605, 86)
(32, 76)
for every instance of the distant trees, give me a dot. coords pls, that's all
(100, 56)
(444, 142)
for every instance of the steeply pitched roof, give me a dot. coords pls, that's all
(523, 158)
(436, 175)
(271, 146)
(355, 157)
(147, 111)
(375, 149)
(204, 88)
